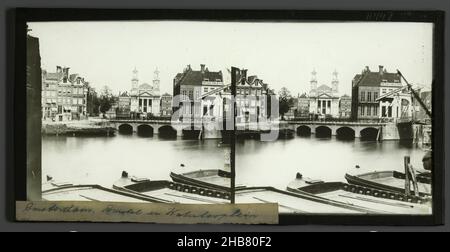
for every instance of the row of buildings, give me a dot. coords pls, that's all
(64, 95)
(376, 95)
(201, 93)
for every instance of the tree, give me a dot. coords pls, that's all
(106, 99)
(286, 101)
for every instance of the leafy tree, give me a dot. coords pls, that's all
(286, 101)
(105, 100)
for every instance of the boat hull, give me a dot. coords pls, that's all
(387, 181)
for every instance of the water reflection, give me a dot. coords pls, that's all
(101, 160)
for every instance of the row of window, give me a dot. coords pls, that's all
(386, 90)
(190, 94)
(371, 96)
(246, 91)
(368, 110)
(65, 101)
(63, 90)
(206, 90)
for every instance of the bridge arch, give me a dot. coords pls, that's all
(369, 134)
(145, 130)
(345, 133)
(303, 130)
(323, 132)
(167, 131)
(125, 129)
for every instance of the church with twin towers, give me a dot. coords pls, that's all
(323, 100)
(145, 98)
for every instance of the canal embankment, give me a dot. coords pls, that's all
(91, 127)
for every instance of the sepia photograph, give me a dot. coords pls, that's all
(319, 118)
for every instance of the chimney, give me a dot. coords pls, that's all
(202, 67)
(380, 67)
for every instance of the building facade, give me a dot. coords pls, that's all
(145, 99)
(166, 105)
(64, 95)
(367, 88)
(345, 106)
(189, 89)
(323, 99)
(252, 99)
(421, 115)
(123, 105)
(302, 106)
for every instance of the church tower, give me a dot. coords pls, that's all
(313, 83)
(335, 82)
(134, 81)
(156, 81)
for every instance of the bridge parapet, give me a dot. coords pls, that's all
(337, 123)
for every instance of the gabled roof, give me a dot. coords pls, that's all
(145, 93)
(195, 78)
(374, 79)
(325, 95)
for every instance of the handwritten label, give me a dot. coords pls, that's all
(147, 212)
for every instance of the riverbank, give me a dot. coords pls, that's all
(91, 127)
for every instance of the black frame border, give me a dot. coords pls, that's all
(24, 15)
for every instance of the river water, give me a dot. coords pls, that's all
(101, 160)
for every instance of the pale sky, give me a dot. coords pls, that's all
(282, 54)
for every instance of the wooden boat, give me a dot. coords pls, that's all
(391, 181)
(212, 179)
(288, 202)
(384, 202)
(53, 191)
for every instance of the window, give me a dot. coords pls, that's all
(375, 111)
(191, 95)
(205, 90)
(324, 103)
(362, 110)
(383, 91)
(363, 94)
(383, 111)
(375, 96)
(369, 110)
(369, 96)
(329, 104)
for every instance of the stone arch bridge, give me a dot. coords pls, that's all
(375, 131)
(160, 126)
